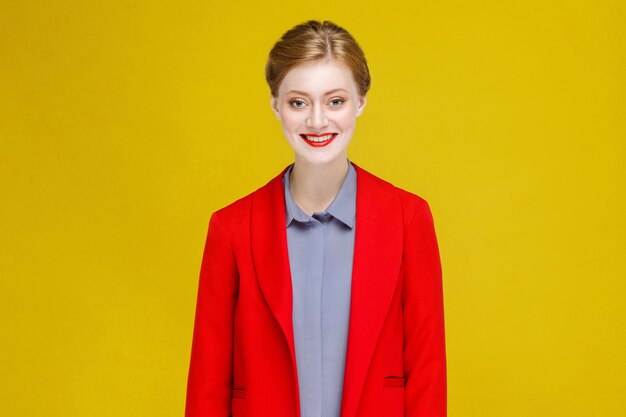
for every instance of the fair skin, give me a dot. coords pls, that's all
(317, 105)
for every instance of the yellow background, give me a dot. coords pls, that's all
(124, 124)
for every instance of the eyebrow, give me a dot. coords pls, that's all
(327, 93)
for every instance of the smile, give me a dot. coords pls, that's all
(319, 140)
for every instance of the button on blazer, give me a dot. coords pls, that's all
(243, 361)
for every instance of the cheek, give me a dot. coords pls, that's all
(346, 119)
(291, 121)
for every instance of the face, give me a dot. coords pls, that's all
(318, 104)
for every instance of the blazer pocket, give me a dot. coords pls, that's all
(393, 381)
(239, 393)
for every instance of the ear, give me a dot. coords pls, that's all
(274, 105)
(362, 102)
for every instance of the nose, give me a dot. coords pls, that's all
(316, 119)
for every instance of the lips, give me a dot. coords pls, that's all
(317, 140)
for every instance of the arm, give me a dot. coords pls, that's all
(209, 384)
(424, 337)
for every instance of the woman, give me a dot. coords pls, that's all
(320, 293)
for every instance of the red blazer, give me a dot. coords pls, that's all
(243, 359)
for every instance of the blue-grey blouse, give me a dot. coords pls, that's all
(321, 250)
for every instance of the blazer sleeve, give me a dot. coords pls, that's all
(423, 320)
(210, 378)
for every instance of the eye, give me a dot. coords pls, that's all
(297, 103)
(336, 102)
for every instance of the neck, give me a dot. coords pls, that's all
(313, 186)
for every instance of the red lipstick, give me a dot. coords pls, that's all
(316, 143)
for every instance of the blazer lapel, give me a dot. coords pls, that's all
(270, 256)
(376, 266)
(377, 263)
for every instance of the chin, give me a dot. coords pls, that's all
(318, 156)
(320, 159)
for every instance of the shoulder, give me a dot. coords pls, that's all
(242, 207)
(410, 203)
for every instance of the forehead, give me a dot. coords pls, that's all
(318, 77)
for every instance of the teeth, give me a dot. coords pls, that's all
(318, 139)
